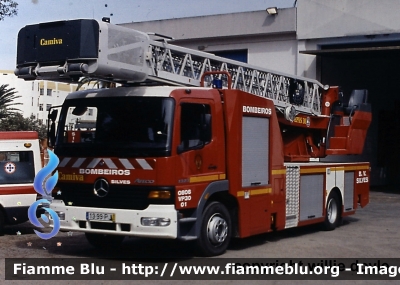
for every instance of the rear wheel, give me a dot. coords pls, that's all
(215, 233)
(103, 241)
(332, 217)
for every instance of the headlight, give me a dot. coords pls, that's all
(155, 222)
(156, 194)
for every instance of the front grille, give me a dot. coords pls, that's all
(103, 226)
(118, 197)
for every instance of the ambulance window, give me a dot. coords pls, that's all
(195, 125)
(16, 167)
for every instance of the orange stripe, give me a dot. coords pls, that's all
(278, 171)
(255, 192)
(313, 170)
(356, 167)
(28, 135)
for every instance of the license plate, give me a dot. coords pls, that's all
(93, 216)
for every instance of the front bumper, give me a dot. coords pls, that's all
(126, 222)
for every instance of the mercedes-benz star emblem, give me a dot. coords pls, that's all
(101, 188)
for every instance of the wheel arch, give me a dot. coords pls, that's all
(333, 209)
(217, 191)
(339, 194)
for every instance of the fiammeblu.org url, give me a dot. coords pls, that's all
(295, 269)
(247, 269)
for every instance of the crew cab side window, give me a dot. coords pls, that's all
(195, 126)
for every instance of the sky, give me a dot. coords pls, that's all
(120, 11)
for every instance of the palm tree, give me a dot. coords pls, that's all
(7, 97)
(8, 8)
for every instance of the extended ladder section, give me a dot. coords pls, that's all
(69, 50)
(187, 66)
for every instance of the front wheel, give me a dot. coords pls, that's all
(216, 229)
(332, 217)
(2, 223)
(103, 241)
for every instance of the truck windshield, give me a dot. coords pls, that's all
(122, 126)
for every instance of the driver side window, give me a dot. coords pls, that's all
(195, 125)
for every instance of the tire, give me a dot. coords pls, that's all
(216, 230)
(333, 212)
(103, 241)
(2, 223)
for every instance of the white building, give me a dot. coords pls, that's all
(38, 96)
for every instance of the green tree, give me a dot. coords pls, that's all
(16, 122)
(7, 97)
(8, 8)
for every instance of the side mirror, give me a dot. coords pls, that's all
(206, 128)
(53, 115)
(79, 111)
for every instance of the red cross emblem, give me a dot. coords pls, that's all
(9, 167)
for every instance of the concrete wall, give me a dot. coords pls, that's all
(220, 26)
(346, 18)
(327, 22)
(270, 40)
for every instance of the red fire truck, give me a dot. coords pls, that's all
(191, 146)
(19, 163)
